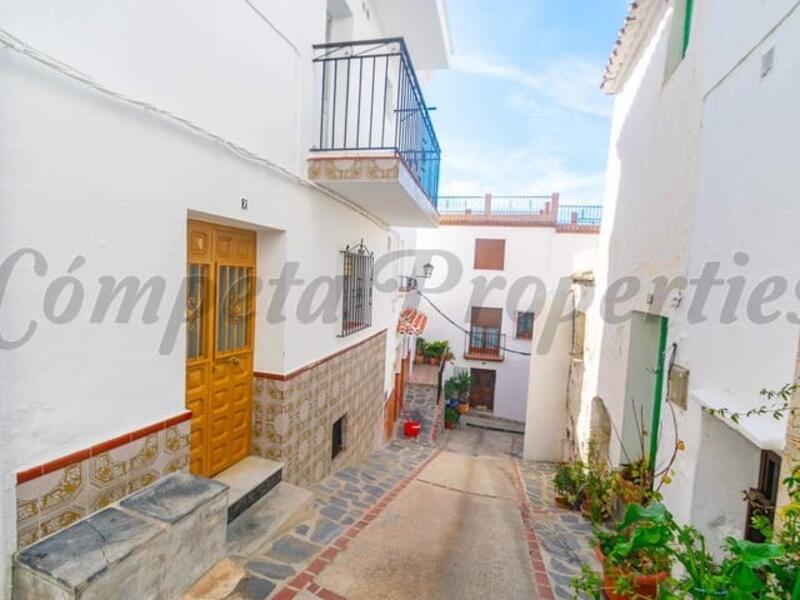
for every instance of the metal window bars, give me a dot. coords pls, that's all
(357, 280)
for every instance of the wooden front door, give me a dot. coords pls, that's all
(219, 344)
(481, 392)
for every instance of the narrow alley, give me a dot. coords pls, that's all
(455, 515)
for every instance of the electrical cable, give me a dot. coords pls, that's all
(13, 43)
(272, 26)
(455, 324)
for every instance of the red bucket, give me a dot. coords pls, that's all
(412, 428)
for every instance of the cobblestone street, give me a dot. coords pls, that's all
(438, 517)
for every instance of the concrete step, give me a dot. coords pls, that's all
(281, 509)
(249, 480)
(153, 544)
(486, 421)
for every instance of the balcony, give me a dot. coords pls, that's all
(482, 343)
(534, 210)
(374, 141)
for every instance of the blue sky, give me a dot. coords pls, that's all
(520, 111)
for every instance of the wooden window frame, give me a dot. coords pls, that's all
(761, 500)
(487, 249)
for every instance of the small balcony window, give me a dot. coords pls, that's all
(357, 280)
(484, 339)
(524, 325)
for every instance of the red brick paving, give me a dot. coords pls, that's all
(541, 577)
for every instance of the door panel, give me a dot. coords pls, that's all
(482, 384)
(197, 402)
(220, 374)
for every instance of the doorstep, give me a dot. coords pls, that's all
(249, 480)
(486, 420)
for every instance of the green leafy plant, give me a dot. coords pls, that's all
(462, 382)
(778, 404)
(635, 555)
(435, 349)
(569, 482)
(451, 416)
(600, 486)
(450, 390)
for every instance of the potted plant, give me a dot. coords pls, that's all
(462, 383)
(419, 357)
(635, 483)
(450, 391)
(599, 487)
(749, 570)
(451, 418)
(569, 482)
(434, 351)
(636, 556)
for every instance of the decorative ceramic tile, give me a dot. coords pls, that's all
(292, 420)
(56, 500)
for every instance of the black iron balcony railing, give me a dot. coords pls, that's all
(369, 99)
(484, 343)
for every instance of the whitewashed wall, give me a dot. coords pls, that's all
(529, 251)
(700, 167)
(82, 174)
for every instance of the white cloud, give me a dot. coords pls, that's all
(528, 170)
(571, 83)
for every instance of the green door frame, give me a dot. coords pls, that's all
(658, 391)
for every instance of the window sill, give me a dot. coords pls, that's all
(483, 357)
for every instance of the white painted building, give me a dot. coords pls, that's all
(130, 131)
(702, 169)
(506, 252)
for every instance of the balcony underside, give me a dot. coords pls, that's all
(381, 185)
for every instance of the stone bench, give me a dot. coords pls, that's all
(153, 544)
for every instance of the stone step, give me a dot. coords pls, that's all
(249, 480)
(282, 508)
(484, 421)
(153, 544)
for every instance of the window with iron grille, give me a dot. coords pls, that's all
(357, 275)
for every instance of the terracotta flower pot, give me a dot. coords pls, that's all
(449, 424)
(644, 586)
(419, 359)
(563, 503)
(433, 360)
(463, 408)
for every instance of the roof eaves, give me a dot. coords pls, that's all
(638, 24)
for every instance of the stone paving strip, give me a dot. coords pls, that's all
(561, 538)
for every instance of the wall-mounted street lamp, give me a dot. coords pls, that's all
(409, 282)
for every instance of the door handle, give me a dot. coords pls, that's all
(234, 360)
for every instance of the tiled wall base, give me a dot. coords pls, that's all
(56, 499)
(293, 419)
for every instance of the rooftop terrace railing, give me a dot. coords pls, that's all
(541, 209)
(369, 99)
